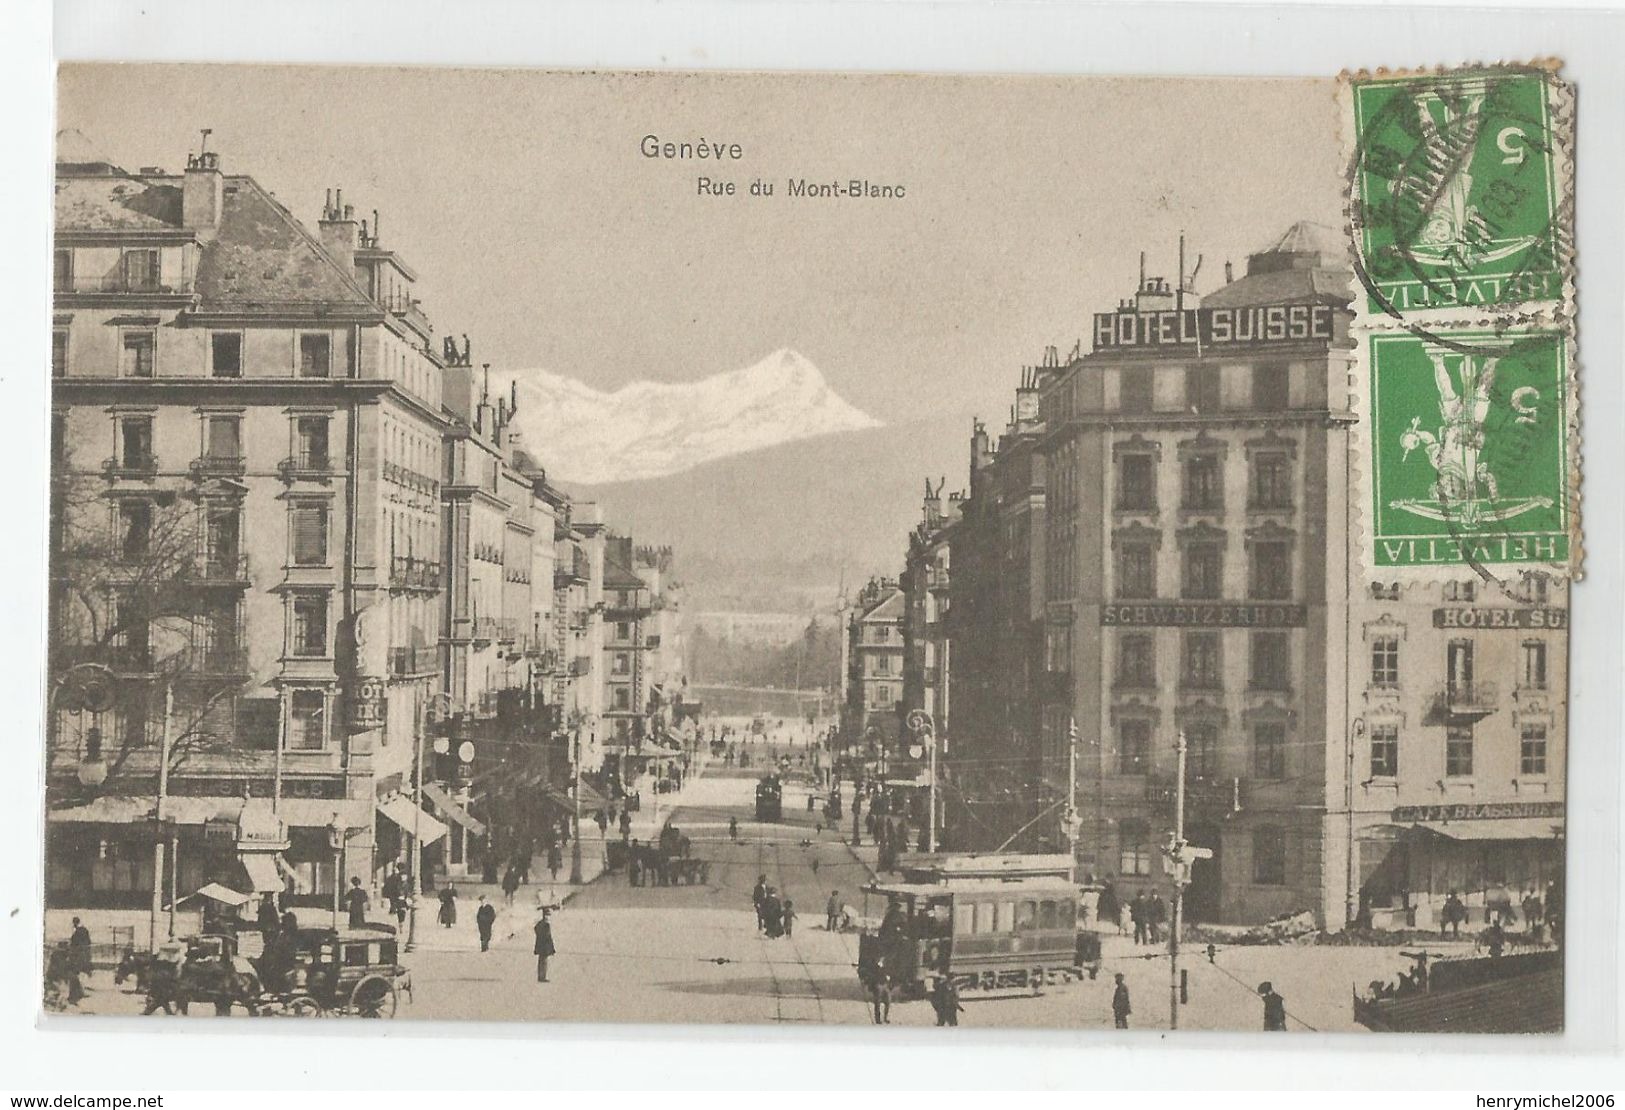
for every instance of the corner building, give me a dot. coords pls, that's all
(1196, 537)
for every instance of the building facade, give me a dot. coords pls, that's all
(298, 548)
(871, 725)
(1457, 744)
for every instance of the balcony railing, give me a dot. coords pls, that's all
(221, 568)
(1466, 700)
(1202, 792)
(500, 629)
(407, 572)
(411, 479)
(219, 466)
(217, 659)
(115, 283)
(122, 658)
(307, 464)
(131, 464)
(408, 661)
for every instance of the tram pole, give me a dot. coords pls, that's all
(1178, 864)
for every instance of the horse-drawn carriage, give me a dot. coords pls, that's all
(303, 972)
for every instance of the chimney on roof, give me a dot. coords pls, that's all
(339, 230)
(203, 191)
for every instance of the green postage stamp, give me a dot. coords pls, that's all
(1469, 446)
(1460, 226)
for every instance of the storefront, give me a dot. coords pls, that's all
(1489, 854)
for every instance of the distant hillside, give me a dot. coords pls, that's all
(774, 530)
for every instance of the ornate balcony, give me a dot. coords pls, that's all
(308, 464)
(219, 466)
(406, 662)
(132, 464)
(220, 568)
(406, 572)
(217, 660)
(1465, 701)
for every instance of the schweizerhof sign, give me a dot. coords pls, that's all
(1202, 328)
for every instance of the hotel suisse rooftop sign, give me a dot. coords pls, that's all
(1204, 329)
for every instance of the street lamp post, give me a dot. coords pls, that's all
(335, 842)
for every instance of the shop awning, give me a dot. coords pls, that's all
(447, 805)
(411, 819)
(222, 894)
(590, 799)
(1504, 828)
(262, 873)
(295, 883)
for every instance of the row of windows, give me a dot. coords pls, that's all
(1268, 746)
(1535, 589)
(1013, 916)
(1459, 663)
(1458, 750)
(1269, 482)
(138, 354)
(138, 523)
(1267, 392)
(1202, 660)
(136, 448)
(1136, 851)
(1269, 569)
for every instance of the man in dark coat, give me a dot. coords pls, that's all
(1157, 911)
(1137, 914)
(267, 917)
(945, 1001)
(1120, 1005)
(772, 914)
(485, 919)
(544, 944)
(79, 944)
(356, 901)
(758, 897)
(1274, 1009)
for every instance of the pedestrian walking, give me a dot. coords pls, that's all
(758, 896)
(1159, 916)
(266, 916)
(448, 906)
(832, 911)
(789, 917)
(544, 944)
(485, 919)
(356, 901)
(1120, 1004)
(1455, 912)
(60, 968)
(945, 1001)
(555, 861)
(79, 947)
(1496, 940)
(1274, 1008)
(510, 885)
(1138, 914)
(880, 992)
(773, 914)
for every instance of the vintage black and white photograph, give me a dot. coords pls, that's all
(697, 547)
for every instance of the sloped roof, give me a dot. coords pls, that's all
(619, 578)
(1309, 237)
(888, 608)
(262, 257)
(1282, 287)
(110, 202)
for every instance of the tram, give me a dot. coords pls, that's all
(770, 798)
(984, 934)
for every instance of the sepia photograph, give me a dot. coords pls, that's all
(771, 548)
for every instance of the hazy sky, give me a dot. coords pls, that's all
(538, 228)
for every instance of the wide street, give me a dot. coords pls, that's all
(693, 953)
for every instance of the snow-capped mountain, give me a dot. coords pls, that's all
(651, 429)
